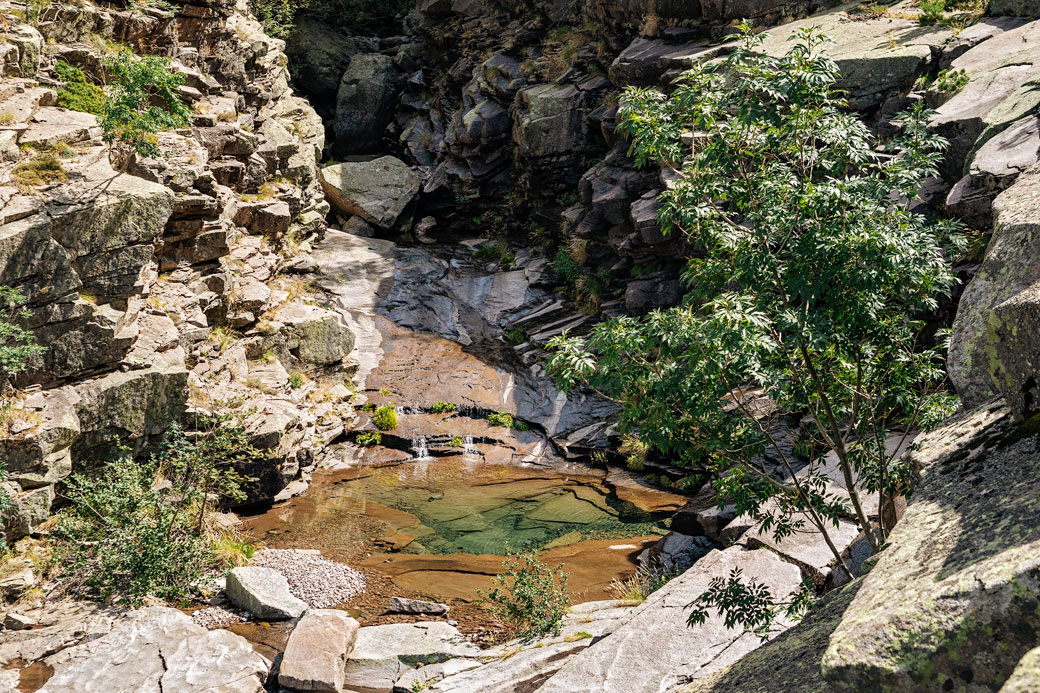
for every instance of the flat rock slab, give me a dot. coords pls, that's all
(49, 126)
(961, 567)
(264, 593)
(158, 649)
(317, 651)
(378, 191)
(382, 654)
(655, 649)
(523, 671)
(424, 677)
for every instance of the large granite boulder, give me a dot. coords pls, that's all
(379, 191)
(1013, 351)
(1026, 676)
(1013, 8)
(264, 593)
(1009, 267)
(952, 603)
(383, 653)
(365, 103)
(654, 648)
(158, 649)
(317, 651)
(315, 335)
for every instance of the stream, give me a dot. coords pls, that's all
(431, 510)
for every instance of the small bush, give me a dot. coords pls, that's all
(530, 595)
(641, 585)
(443, 408)
(138, 528)
(501, 418)
(495, 251)
(43, 170)
(385, 418)
(456, 442)
(367, 439)
(566, 268)
(17, 345)
(950, 81)
(78, 94)
(516, 336)
(296, 380)
(130, 114)
(931, 11)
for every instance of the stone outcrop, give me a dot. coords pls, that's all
(1008, 268)
(1014, 351)
(959, 569)
(378, 191)
(158, 649)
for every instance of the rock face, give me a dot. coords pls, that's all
(657, 637)
(1026, 676)
(1008, 268)
(159, 649)
(553, 118)
(317, 650)
(365, 103)
(378, 191)
(960, 569)
(264, 593)
(1014, 351)
(383, 653)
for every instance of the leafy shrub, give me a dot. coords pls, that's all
(78, 94)
(530, 595)
(456, 442)
(296, 380)
(443, 407)
(504, 419)
(516, 336)
(566, 268)
(950, 81)
(130, 115)
(495, 251)
(385, 418)
(17, 345)
(931, 11)
(367, 439)
(138, 528)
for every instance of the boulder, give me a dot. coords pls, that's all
(959, 570)
(17, 580)
(657, 637)
(317, 651)
(790, 662)
(378, 191)
(50, 126)
(16, 621)
(424, 677)
(675, 553)
(402, 605)
(1013, 351)
(41, 455)
(1026, 676)
(158, 649)
(383, 653)
(27, 511)
(645, 62)
(652, 291)
(264, 593)
(365, 103)
(523, 671)
(1008, 268)
(315, 335)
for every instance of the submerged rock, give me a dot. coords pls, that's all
(403, 605)
(264, 593)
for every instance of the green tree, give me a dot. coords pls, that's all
(130, 114)
(17, 345)
(530, 595)
(812, 273)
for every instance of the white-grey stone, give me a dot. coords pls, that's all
(264, 593)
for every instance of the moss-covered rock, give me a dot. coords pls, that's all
(954, 601)
(1026, 676)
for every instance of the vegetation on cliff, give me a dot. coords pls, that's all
(813, 267)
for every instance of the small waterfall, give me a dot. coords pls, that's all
(419, 448)
(468, 448)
